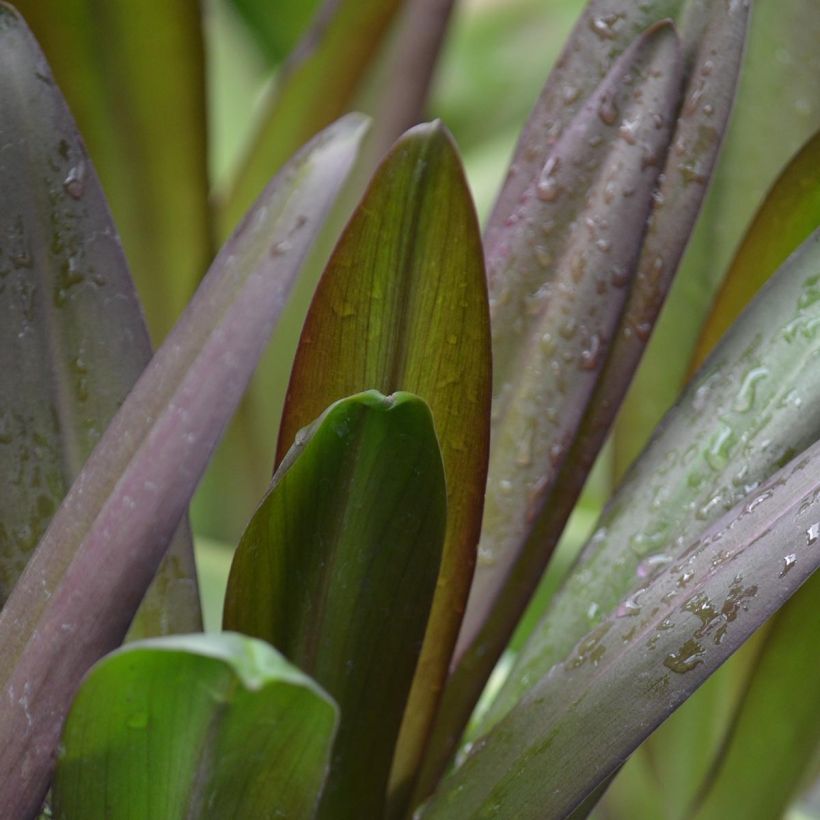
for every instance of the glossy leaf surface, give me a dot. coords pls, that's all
(134, 76)
(79, 591)
(337, 570)
(403, 306)
(194, 726)
(72, 337)
(639, 664)
(753, 406)
(314, 87)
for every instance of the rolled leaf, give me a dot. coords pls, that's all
(559, 280)
(72, 337)
(134, 76)
(753, 406)
(638, 665)
(314, 87)
(337, 570)
(81, 587)
(402, 305)
(194, 726)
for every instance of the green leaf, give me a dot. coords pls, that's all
(276, 27)
(578, 723)
(134, 76)
(777, 109)
(790, 212)
(559, 278)
(753, 406)
(314, 87)
(402, 305)
(81, 587)
(337, 570)
(72, 337)
(197, 727)
(749, 780)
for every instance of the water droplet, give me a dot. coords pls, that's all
(812, 534)
(788, 562)
(686, 658)
(630, 607)
(590, 357)
(570, 94)
(137, 720)
(74, 183)
(746, 394)
(629, 131)
(651, 564)
(607, 110)
(720, 447)
(604, 27)
(344, 310)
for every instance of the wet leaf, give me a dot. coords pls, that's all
(81, 587)
(194, 726)
(403, 306)
(134, 76)
(72, 337)
(337, 569)
(625, 676)
(559, 280)
(752, 407)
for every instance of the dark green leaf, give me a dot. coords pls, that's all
(403, 306)
(276, 26)
(337, 570)
(81, 587)
(134, 76)
(72, 337)
(196, 727)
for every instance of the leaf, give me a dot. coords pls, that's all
(750, 410)
(559, 277)
(194, 726)
(78, 593)
(276, 28)
(136, 83)
(314, 87)
(72, 337)
(790, 212)
(749, 780)
(639, 664)
(402, 305)
(777, 109)
(337, 569)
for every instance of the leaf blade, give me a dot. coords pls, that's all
(358, 504)
(219, 725)
(139, 479)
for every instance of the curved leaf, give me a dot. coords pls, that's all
(134, 76)
(337, 570)
(197, 727)
(755, 403)
(403, 306)
(579, 722)
(81, 587)
(72, 337)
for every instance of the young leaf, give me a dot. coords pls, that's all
(337, 570)
(135, 79)
(81, 587)
(314, 87)
(638, 665)
(754, 405)
(72, 336)
(194, 726)
(402, 305)
(559, 278)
